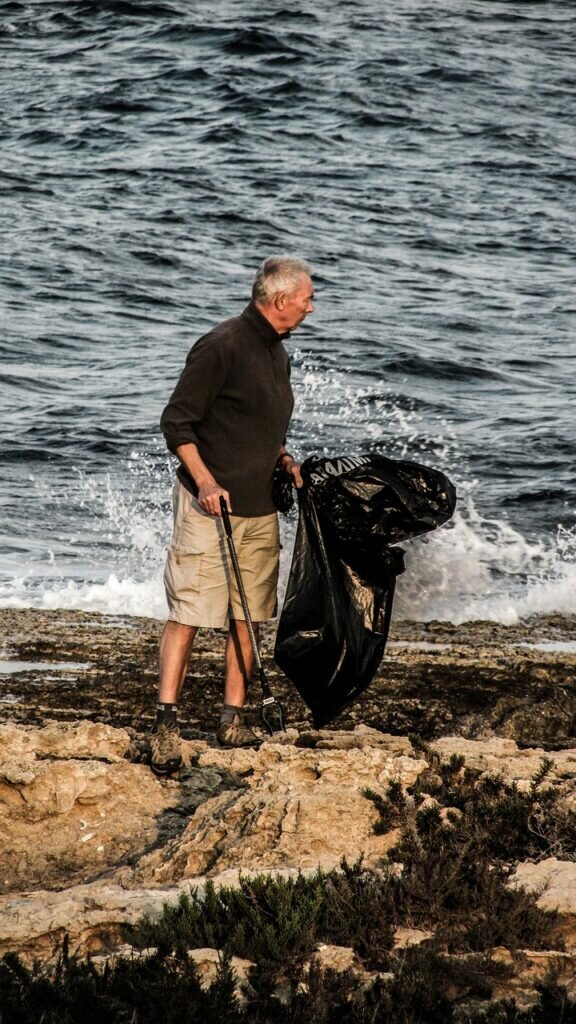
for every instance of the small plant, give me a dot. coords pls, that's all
(511, 823)
(391, 807)
(457, 853)
(279, 922)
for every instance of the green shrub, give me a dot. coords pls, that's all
(449, 872)
(457, 853)
(156, 990)
(279, 922)
(515, 824)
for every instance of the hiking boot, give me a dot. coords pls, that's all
(236, 734)
(165, 750)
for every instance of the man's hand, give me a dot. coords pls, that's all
(209, 495)
(290, 466)
(209, 491)
(294, 470)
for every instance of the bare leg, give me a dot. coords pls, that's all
(175, 650)
(239, 662)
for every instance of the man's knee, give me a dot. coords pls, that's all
(179, 631)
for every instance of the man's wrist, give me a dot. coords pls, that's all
(203, 482)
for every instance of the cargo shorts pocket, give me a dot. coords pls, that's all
(182, 573)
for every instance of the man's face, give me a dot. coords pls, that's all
(298, 304)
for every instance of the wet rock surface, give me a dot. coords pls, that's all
(436, 679)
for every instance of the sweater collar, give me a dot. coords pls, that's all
(261, 325)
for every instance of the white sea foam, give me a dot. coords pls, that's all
(476, 569)
(472, 568)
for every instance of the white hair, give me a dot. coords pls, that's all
(278, 274)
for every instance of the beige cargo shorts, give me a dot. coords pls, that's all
(199, 579)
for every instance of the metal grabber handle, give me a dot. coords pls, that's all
(268, 699)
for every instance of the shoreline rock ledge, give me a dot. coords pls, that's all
(90, 840)
(473, 680)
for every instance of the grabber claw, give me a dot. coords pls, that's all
(272, 715)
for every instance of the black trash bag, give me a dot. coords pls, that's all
(334, 623)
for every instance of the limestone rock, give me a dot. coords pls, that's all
(68, 820)
(122, 952)
(335, 958)
(123, 842)
(503, 757)
(404, 937)
(303, 808)
(556, 880)
(530, 968)
(207, 962)
(340, 959)
(92, 916)
(89, 740)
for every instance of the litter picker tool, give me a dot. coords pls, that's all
(272, 711)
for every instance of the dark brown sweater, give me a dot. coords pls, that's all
(234, 401)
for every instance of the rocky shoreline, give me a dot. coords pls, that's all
(90, 840)
(476, 679)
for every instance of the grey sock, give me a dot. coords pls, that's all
(227, 714)
(166, 714)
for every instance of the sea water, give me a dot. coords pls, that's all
(419, 155)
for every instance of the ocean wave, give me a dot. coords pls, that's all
(439, 368)
(473, 570)
(486, 570)
(249, 41)
(153, 153)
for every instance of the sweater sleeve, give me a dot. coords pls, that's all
(200, 382)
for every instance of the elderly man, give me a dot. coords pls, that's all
(226, 422)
